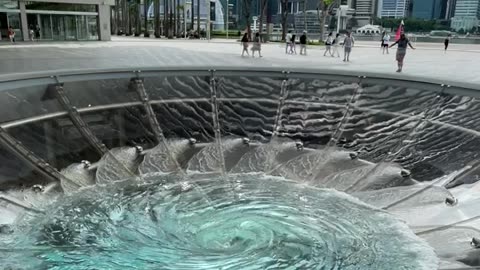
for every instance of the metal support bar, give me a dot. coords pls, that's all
(77, 119)
(138, 85)
(28, 156)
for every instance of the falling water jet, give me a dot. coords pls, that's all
(399, 148)
(337, 134)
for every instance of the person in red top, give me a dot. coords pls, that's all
(11, 34)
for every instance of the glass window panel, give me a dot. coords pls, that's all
(100, 92)
(27, 102)
(57, 141)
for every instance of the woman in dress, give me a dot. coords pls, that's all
(335, 45)
(245, 44)
(257, 45)
(402, 43)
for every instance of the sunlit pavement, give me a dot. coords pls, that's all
(428, 61)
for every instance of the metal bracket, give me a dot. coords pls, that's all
(76, 118)
(28, 156)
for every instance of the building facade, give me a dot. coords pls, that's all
(56, 19)
(467, 14)
(365, 10)
(429, 9)
(450, 9)
(393, 8)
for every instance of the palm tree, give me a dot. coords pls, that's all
(119, 16)
(138, 23)
(127, 15)
(156, 7)
(198, 16)
(146, 5)
(247, 12)
(193, 16)
(166, 26)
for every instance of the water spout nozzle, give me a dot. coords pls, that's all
(475, 242)
(299, 145)
(246, 141)
(353, 156)
(139, 149)
(38, 188)
(192, 141)
(405, 173)
(451, 201)
(86, 164)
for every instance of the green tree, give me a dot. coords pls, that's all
(461, 31)
(324, 9)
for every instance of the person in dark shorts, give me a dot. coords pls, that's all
(447, 42)
(402, 43)
(244, 42)
(385, 42)
(303, 43)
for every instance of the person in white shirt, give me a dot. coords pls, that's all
(288, 40)
(328, 45)
(385, 43)
(335, 45)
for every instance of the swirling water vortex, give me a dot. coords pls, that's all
(272, 223)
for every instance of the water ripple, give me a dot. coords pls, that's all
(273, 224)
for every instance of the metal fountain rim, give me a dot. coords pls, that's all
(18, 80)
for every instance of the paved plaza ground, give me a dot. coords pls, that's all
(459, 64)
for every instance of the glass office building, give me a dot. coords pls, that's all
(56, 20)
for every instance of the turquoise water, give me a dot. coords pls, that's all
(271, 223)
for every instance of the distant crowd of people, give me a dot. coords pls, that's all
(332, 45)
(33, 33)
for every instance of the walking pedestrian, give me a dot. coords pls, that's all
(288, 41)
(383, 35)
(37, 31)
(293, 46)
(347, 45)
(303, 43)
(447, 42)
(402, 43)
(31, 33)
(257, 45)
(335, 45)
(11, 34)
(245, 44)
(328, 44)
(386, 43)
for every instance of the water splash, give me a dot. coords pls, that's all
(152, 226)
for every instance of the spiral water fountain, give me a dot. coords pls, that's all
(235, 169)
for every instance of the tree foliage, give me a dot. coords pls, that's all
(411, 24)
